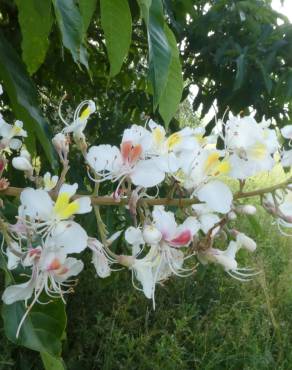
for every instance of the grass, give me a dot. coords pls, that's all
(207, 322)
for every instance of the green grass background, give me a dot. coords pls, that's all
(207, 321)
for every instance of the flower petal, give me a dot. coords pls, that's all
(84, 205)
(165, 222)
(69, 189)
(286, 131)
(36, 204)
(104, 158)
(143, 272)
(19, 292)
(147, 174)
(72, 267)
(70, 236)
(217, 195)
(101, 264)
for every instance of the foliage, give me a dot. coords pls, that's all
(238, 53)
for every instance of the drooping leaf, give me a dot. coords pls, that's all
(240, 72)
(267, 80)
(3, 266)
(52, 363)
(171, 96)
(35, 19)
(42, 330)
(87, 8)
(116, 22)
(71, 27)
(159, 49)
(144, 7)
(23, 98)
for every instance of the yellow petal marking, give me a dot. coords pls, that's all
(259, 151)
(211, 162)
(49, 183)
(158, 135)
(223, 167)
(86, 113)
(173, 140)
(63, 209)
(200, 139)
(16, 130)
(215, 167)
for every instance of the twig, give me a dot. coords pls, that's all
(178, 202)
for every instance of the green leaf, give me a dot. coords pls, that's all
(240, 72)
(159, 50)
(3, 266)
(116, 22)
(267, 80)
(71, 27)
(52, 363)
(172, 94)
(144, 6)
(35, 19)
(87, 9)
(23, 98)
(42, 330)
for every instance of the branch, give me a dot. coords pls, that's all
(177, 202)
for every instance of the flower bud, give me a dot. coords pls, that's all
(25, 154)
(22, 164)
(228, 263)
(151, 235)
(232, 215)
(61, 145)
(246, 242)
(247, 209)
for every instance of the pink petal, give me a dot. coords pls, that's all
(182, 239)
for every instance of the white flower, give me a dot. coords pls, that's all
(246, 209)
(13, 254)
(246, 242)
(286, 131)
(251, 146)
(49, 181)
(61, 144)
(171, 233)
(102, 257)
(280, 206)
(217, 196)
(163, 258)
(187, 139)
(1, 89)
(50, 271)
(39, 211)
(227, 259)
(286, 158)
(80, 118)
(135, 238)
(205, 216)
(110, 163)
(9, 132)
(23, 162)
(157, 266)
(151, 235)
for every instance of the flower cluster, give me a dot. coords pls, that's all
(193, 169)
